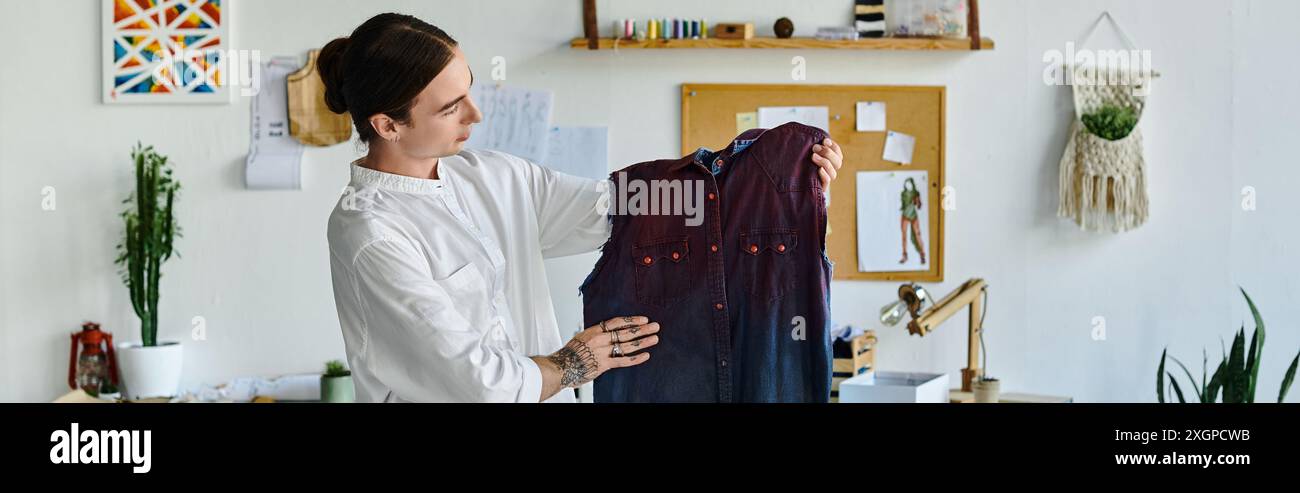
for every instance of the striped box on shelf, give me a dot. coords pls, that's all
(869, 18)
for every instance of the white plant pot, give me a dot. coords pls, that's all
(149, 372)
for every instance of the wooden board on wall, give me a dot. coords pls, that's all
(709, 120)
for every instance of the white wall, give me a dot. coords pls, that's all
(254, 264)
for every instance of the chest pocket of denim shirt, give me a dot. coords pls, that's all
(768, 261)
(661, 270)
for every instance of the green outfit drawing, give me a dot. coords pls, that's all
(910, 220)
(910, 198)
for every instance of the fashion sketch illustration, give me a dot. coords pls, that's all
(909, 221)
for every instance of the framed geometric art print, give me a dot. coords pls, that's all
(166, 51)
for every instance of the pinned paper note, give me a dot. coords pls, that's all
(746, 121)
(515, 121)
(274, 157)
(871, 116)
(899, 147)
(579, 151)
(813, 116)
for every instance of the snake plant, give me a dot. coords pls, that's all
(147, 241)
(1236, 374)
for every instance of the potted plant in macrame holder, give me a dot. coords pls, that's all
(336, 383)
(1103, 180)
(149, 368)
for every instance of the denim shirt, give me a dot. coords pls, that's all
(743, 297)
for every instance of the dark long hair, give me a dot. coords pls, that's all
(382, 67)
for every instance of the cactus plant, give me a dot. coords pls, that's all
(147, 241)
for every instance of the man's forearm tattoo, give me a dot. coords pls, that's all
(576, 362)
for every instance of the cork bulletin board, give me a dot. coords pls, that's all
(709, 119)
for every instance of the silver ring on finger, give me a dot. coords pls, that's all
(615, 336)
(618, 351)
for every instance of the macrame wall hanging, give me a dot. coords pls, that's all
(1103, 170)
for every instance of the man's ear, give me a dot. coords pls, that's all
(384, 126)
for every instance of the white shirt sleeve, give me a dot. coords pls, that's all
(571, 211)
(419, 344)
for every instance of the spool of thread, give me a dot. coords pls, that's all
(664, 29)
(695, 29)
(704, 29)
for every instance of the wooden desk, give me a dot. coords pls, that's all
(956, 396)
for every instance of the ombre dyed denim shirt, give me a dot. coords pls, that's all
(743, 297)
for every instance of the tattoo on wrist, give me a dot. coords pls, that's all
(576, 362)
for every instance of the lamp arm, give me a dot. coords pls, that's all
(969, 294)
(945, 308)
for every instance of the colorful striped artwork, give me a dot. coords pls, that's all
(166, 51)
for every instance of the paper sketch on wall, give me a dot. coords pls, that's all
(893, 221)
(166, 51)
(515, 121)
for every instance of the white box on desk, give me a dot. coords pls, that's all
(895, 387)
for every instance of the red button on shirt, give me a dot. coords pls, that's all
(718, 306)
(647, 260)
(753, 249)
(780, 248)
(714, 248)
(712, 196)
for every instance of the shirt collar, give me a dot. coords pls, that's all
(364, 176)
(713, 161)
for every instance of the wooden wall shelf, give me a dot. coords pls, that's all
(919, 44)
(591, 39)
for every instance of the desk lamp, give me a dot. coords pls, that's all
(912, 297)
